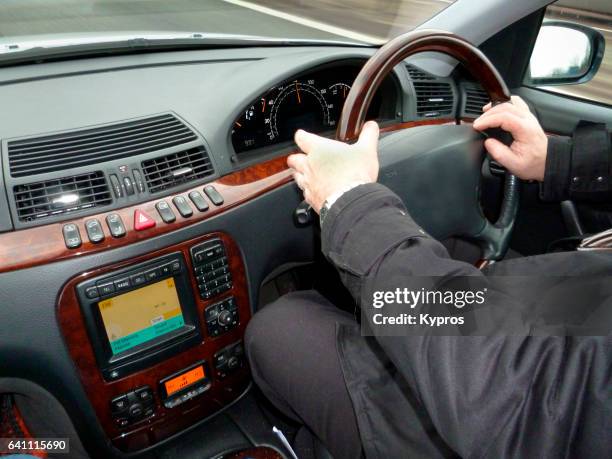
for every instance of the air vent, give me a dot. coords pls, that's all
(92, 146)
(59, 196)
(177, 168)
(433, 98)
(475, 99)
(418, 74)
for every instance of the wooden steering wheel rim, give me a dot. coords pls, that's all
(394, 52)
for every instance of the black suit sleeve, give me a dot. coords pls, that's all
(483, 393)
(579, 168)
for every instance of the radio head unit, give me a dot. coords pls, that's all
(139, 315)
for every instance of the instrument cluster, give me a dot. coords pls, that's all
(312, 102)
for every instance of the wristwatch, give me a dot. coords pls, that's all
(332, 199)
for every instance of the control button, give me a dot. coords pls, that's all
(152, 274)
(211, 313)
(233, 363)
(213, 195)
(176, 266)
(122, 284)
(116, 186)
(199, 201)
(225, 318)
(119, 404)
(94, 230)
(136, 410)
(138, 279)
(165, 212)
(144, 394)
(115, 225)
(166, 269)
(138, 180)
(142, 221)
(72, 236)
(183, 206)
(91, 292)
(149, 412)
(122, 422)
(129, 186)
(106, 289)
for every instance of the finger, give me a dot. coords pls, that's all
(299, 180)
(520, 103)
(297, 162)
(487, 107)
(368, 138)
(505, 120)
(502, 154)
(306, 141)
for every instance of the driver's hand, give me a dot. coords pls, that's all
(330, 166)
(526, 157)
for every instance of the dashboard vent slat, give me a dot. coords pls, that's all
(59, 196)
(92, 146)
(416, 73)
(433, 98)
(475, 99)
(176, 168)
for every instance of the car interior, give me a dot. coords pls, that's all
(147, 210)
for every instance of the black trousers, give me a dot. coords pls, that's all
(291, 346)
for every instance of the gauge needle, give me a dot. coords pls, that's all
(263, 105)
(297, 90)
(238, 124)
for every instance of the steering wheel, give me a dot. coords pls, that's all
(436, 169)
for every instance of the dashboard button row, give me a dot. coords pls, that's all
(128, 280)
(142, 221)
(93, 228)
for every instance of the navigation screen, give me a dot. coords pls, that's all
(141, 315)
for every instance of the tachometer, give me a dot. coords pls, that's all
(297, 106)
(336, 95)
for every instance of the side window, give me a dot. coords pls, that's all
(573, 51)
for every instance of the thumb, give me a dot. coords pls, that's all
(368, 138)
(306, 141)
(502, 154)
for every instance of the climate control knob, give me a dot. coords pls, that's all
(224, 318)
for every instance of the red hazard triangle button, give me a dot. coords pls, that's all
(142, 221)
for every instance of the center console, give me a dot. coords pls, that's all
(157, 340)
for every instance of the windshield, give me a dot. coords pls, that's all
(361, 21)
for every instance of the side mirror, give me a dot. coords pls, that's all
(565, 53)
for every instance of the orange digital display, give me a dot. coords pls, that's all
(186, 379)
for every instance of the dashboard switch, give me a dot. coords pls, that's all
(199, 201)
(129, 186)
(213, 195)
(72, 236)
(142, 221)
(165, 212)
(94, 230)
(116, 186)
(138, 181)
(115, 225)
(183, 206)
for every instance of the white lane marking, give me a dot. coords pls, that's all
(309, 22)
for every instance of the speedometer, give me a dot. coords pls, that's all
(297, 106)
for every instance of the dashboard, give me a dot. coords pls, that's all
(116, 170)
(312, 102)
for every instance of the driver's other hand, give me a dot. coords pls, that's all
(526, 157)
(329, 166)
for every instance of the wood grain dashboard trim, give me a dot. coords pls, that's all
(45, 244)
(166, 422)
